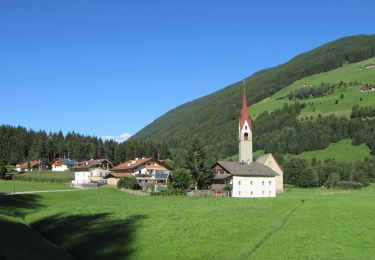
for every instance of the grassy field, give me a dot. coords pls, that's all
(342, 151)
(326, 105)
(106, 223)
(18, 186)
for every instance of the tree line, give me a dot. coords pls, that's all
(281, 132)
(329, 173)
(18, 144)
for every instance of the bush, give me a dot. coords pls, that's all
(180, 179)
(130, 183)
(346, 185)
(169, 192)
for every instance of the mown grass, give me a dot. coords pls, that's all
(343, 151)
(300, 224)
(326, 105)
(20, 186)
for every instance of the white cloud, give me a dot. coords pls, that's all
(118, 138)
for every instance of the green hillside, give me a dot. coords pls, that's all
(214, 118)
(342, 151)
(351, 73)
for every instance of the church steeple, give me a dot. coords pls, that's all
(245, 113)
(245, 133)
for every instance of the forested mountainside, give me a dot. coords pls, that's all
(214, 118)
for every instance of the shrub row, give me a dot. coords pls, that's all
(349, 185)
(41, 179)
(170, 192)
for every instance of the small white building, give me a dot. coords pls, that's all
(94, 176)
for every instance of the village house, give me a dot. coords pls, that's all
(369, 66)
(367, 87)
(91, 171)
(262, 178)
(145, 170)
(35, 165)
(60, 165)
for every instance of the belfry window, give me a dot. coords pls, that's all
(246, 136)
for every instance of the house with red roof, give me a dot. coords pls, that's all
(145, 170)
(34, 165)
(367, 87)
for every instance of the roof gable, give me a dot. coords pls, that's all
(244, 169)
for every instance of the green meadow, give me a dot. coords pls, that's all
(105, 223)
(342, 151)
(326, 105)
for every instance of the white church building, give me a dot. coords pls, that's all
(248, 179)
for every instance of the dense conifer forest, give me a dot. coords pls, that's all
(18, 144)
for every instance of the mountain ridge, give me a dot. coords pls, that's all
(213, 118)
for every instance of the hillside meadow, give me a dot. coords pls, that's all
(326, 105)
(343, 151)
(108, 224)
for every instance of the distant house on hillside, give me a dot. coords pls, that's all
(145, 170)
(91, 171)
(60, 165)
(35, 165)
(367, 87)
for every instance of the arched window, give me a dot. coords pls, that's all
(246, 136)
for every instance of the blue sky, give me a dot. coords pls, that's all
(109, 68)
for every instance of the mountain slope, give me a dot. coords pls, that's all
(352, 76)
(214, 118)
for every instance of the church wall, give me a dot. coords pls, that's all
(271, 162)
(260, 187)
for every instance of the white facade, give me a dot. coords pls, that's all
(60, 168)
(253, 187)
(96, 175)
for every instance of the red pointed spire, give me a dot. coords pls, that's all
(245, 113)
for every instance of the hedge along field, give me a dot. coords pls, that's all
(45, 177)
(19, 186)
(100, 223)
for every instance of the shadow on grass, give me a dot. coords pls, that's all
(91, 236)
(84, 236)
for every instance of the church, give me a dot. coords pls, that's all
(248, 179)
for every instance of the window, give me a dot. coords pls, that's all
(270, 182)
(246, 136)
(263, 192)
(245, 127)
(251, 192)
(262, 182)
(251, 182)
(239, 182)
(269, 192)
(239, 192)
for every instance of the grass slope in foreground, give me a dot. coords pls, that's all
(326, 105)
(342, 151)
(106, 223)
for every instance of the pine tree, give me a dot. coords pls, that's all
(198, 166)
